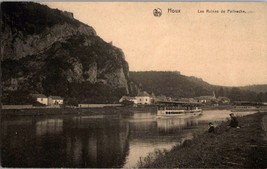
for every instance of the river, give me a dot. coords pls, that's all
(99, 141)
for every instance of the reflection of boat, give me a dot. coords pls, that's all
(167, 124)
(176, 108)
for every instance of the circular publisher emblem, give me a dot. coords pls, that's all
(157, 12)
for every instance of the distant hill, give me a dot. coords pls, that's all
(171, 84)
(255, 88)
(174, 84)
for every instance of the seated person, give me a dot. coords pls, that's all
(212, 128)
(233, 121)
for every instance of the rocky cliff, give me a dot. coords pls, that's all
(48, 51)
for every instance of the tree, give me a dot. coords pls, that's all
(221, 92)
(235, 94)
(260, 97)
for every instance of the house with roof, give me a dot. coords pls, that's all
(144, 98)
(206, 99)
(211, 99)
(55, 100)
(40, 98)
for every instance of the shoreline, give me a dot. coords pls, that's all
(74, 111)
(243, 147)
(108, 110)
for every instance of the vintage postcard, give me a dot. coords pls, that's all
(133, 84)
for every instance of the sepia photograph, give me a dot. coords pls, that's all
(133, 84)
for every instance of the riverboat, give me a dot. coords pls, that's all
(178, 109)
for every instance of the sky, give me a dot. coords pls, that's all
(224, 48)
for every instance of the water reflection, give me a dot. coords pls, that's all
(49, 126)
(65, 142)
(149, 133)
(97, 142)
(94, 141)
(143, 115)
(169, 124)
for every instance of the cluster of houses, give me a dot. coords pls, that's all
(143, 98)
(48, 101)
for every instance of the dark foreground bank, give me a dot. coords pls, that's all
(235, 148)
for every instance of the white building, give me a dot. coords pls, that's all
(144, 98)
(40, 98)
(55, 100)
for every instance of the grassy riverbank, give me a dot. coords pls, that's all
(235, 148)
